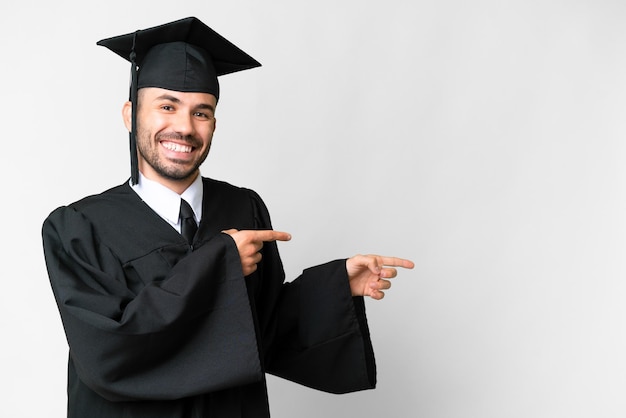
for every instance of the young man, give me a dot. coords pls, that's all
(170, 286)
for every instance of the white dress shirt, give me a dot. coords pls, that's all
(166, 202)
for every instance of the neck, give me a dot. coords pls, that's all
(178, 186)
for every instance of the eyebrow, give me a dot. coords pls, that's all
(176, 100)
(206, 106)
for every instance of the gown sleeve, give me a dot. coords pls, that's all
(190, 333)
(321, 337)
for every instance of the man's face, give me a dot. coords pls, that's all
(174, 133)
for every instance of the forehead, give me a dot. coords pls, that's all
(152, 94)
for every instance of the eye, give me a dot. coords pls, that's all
(203, 115)
(167, 108)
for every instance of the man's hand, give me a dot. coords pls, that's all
(250, 242)
(369, 274)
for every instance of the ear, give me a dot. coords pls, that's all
(127, 114)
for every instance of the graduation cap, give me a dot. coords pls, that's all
(185, 55)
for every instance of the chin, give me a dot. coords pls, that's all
(180, 175)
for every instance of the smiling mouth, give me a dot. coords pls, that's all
(172, 146)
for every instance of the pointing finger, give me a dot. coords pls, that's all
(397, 262)
(270, 235)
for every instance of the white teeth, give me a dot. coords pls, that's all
(177, 147)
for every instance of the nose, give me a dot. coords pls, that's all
(183, 124)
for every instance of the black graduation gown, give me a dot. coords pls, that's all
(158, 329)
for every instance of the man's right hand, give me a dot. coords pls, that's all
(250, 242)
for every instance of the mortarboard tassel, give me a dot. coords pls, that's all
(134, 169)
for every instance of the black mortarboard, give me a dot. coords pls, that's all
(184, 55)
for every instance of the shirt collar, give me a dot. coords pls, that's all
(166, 202)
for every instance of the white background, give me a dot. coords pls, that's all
(484, 140)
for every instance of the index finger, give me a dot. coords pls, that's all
(397, 262)
(270, 235)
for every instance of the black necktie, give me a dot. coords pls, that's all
(188, 226)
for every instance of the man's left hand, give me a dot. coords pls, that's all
(369, 274)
